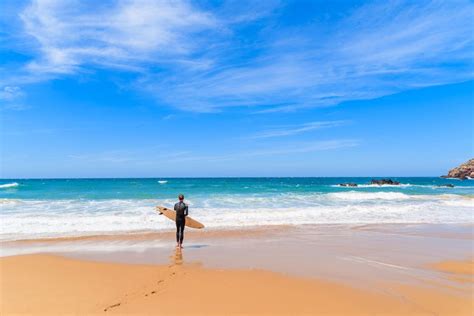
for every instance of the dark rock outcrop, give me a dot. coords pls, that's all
(384, 181)
(349, 184)
(463, 172)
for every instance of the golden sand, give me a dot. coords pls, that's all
(456, 267)
(461, 271)
(51, 285)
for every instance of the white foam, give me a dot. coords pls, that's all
(9, 185)
(24, 219)
(364, 196)
(162, 181)
(404, 185)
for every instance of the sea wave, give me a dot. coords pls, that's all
(30, 219)
(403, 185)
(9, 201)
(364, 196)
(9, 185)
(162, 181)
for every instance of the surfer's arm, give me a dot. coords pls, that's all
(186, 211)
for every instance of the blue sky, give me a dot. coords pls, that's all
(235, 88)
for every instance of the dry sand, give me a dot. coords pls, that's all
(51, 285)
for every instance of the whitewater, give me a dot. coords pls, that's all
(32, 209)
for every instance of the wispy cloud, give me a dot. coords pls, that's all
(306, 147)
(9, 93)
(297, 129)
(364, 56)
(124, 35)
(168, 117)
(158, 157)
(132, 157)
(288, 149)
(11, 97)
(112, 157)
(194, 58)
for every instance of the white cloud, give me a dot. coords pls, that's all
(10, 93)
(11, 97)
(168, 117)
(156, 156)
(378, 50)
(132, 157)
(194, 58)
(123, 35)
(309, 147)
(297, 129)
(282, 150)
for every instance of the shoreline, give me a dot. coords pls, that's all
(225, 231)
(377, 250)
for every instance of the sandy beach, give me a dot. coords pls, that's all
(50, 285)
(261, 272)
(316, 156)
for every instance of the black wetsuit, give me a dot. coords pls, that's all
(181, 212)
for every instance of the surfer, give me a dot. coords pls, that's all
(181, 212)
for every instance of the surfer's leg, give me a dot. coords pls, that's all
(177, 231)
(181, 237)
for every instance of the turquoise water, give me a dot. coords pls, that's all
(97, 189)
(76, 207)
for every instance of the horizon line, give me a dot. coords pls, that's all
(221, 177)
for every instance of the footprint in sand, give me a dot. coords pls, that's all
(118, 304)
(177, 259)
(111, 306)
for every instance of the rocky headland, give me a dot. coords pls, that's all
(463, 172)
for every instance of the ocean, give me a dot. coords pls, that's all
(53, 208)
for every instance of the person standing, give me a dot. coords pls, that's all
(181, 212)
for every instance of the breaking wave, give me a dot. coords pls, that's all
(9, 185)
(29, 219)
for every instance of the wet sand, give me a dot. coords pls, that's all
(50, 285)
(319, 269)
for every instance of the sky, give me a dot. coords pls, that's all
(139, 88)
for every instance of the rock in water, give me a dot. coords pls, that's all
(349, 184)
(384, 181)
(464, 171)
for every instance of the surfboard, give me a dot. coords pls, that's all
(171, 214)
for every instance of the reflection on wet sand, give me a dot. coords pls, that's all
(177, 257)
